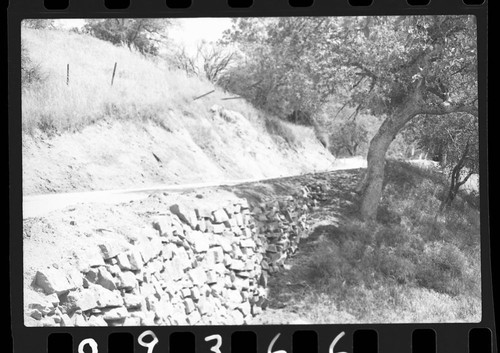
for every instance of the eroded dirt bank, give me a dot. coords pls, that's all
(124, 154)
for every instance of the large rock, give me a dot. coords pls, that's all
(237, 265)
(66, 321)
(216, 228)
(245, 308)
(83, 300)
(53, 280)
(197, 276)
(106, 298)
(186, 214)
(89, 257)
(135, 259)
(174, 270)
(198, 241)
(43, 303)
(211, 277)
(163, 225)
(123, 261)
(214, 256)
(105, 279)
(115, 314)
(247, 243)
(132, 301)
(112, 247)
(96, 321)
(193, 318)
(126, 280)
(220, 216)
(149, 249)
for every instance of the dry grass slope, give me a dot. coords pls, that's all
(144, 88)
(91, 135)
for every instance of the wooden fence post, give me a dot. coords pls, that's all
(67, 75)
(113, 77)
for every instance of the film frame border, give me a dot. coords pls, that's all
(391, 337)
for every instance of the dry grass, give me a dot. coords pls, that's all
(409, 267)
(144, 87)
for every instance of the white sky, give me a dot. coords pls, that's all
(186, 31)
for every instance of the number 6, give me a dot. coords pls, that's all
(270, 349)
(332, 346)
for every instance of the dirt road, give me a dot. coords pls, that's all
(39, 205)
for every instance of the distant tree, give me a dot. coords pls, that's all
(210, 60)
(348, 136)
(457, 140)
(40, 23)
(145, 34)
(271, 71)
(215, 59)
(184, 61)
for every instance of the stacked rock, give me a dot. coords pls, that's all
(193, 267)
(281, 223)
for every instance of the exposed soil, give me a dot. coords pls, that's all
(124, 154)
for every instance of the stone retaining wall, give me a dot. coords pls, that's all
(196, 266)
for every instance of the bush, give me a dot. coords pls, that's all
(349, 137)
(277, 127)
(441, 267)
(390, 263)
(138, 32)
(31, 72)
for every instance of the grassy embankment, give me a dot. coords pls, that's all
(144, 89)
(413, 265)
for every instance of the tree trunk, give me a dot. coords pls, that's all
(374, 177)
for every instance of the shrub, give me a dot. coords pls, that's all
(31, 72)
(348, 137)
(277, 127)
(441, 268)
(390, 263)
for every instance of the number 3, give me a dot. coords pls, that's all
(216, 348)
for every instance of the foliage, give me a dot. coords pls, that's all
(31, 73)
(276, 127)
(141, 33)
(38, 23)
(271, 73)
(358, 261)
(211, 61)
(454, 141)
(373, 61)
(398, 67)
(348, 136)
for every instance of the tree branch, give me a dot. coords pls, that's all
(445, 108)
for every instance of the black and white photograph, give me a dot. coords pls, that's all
(250, 171)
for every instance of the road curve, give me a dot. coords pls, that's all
(39, 205)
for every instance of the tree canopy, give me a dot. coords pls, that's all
(144, 34)
(397, 67)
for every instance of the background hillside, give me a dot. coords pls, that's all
(146, 128)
